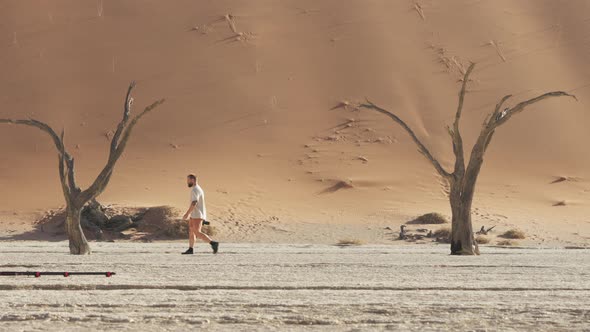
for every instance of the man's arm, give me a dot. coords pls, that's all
(190, 210)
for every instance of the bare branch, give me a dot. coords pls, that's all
(123, 123)
(71, 175)
(450, 131)
(69, 161)
(485, 136)
(62, 179)
(488, 140)
(503, 117)
(457, 139)
(104, 177)
(501, 102)
(40, 125)
(422, 148)
(462, 95)
(62, 171)
(126, 135)
(497, 119)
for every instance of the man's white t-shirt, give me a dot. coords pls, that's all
(198, 195)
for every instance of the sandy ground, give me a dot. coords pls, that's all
(295, 287)
(380, 227)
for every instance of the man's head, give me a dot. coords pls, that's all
(191, 180)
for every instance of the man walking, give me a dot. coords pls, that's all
(196, 215)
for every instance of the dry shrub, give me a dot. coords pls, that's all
(442, 235)
(177, 229)
(480, 239)
(163, 220)
(349, 242)
(158, 213)
(429, 219)
(507, 243)
(513, 234)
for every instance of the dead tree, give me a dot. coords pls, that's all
(462, 179)
(75, 197)
(484, 231)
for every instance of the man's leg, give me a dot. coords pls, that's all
(191, 233)
(205, 237)
(191, 237)
(198, 232)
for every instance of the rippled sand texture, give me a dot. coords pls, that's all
(295, 287)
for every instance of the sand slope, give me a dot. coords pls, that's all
(251, 97)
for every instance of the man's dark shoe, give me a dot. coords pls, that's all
(215, 246)
(188, 252)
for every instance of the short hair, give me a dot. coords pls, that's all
(192, 177)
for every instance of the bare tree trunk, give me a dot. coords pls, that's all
(462, 242)
(462, 238)
(78, 243)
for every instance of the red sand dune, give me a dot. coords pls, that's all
(251, 107)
